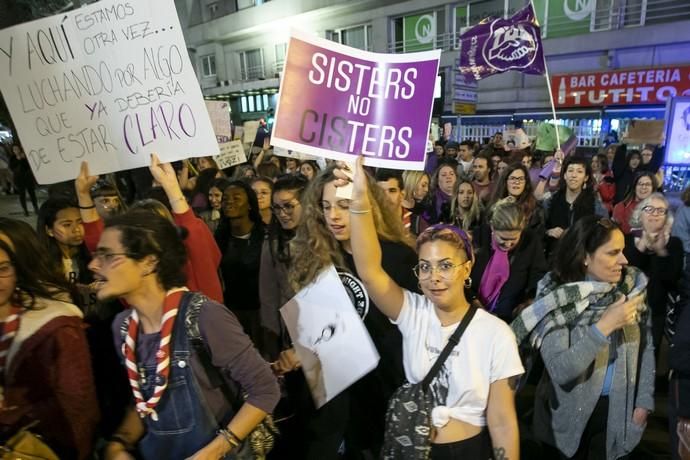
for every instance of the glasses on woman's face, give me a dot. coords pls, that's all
(446, 270)
(105, 257)
(287, 208)
(6, 269)
(516, 179)
(652, 211)
(644, 184)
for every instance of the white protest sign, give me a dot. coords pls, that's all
(231, 154)
(110, 83)
(330, 338)
(219, 113)
(249, 131)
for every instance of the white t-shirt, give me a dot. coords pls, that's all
(487, 352)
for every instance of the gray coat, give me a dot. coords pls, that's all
(576, 362)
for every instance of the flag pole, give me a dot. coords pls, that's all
(548, 85)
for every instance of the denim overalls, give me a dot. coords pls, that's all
(185, 424)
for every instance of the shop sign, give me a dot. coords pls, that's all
(621, 87)
(463, 108)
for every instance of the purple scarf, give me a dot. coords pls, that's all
(495, 276)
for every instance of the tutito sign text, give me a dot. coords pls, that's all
(621, 87)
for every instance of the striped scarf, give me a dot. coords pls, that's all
(170, 307)
(571, 304)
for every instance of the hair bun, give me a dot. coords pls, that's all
(182, 232)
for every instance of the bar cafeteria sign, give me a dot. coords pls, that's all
(621, 87)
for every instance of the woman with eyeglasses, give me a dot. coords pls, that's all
(471, 415)
(628, 164)
(508, 265)
(212, 215)
(176, 412)
(516, 183)
(592, 326)
(356, 416)
(204, 256)
(652, 249)
(643, 185)
(46, 380)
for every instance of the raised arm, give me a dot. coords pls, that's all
(366, 249)
(165, 175)
(83, 184)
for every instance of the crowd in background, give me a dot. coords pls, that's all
(577, 266)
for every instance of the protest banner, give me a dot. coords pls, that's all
(337, 102)
(249, 131)
(329, 337)
(110, 83)
(644, 132)
(219, 113)
(231, 154)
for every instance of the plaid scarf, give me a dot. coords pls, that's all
(571, 304)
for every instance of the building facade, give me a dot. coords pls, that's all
(239, 48)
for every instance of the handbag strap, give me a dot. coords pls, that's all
(453, 340)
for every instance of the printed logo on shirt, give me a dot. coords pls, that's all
(357, 293)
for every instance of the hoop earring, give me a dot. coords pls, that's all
(468, 283)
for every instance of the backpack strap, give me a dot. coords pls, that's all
(453, 340)
(215, 377)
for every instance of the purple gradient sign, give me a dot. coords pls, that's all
(337, 102)
(498, 45)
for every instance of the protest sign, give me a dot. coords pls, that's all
(110, 83)
(249, 131)
(219, 113)
(644, 132)
(337, 102)
(329, 337)
(231, 154)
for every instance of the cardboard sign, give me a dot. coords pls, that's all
(621, 87)
(231, 154)
(110, 83)
(219, 113)
(249, 131)
(645, 132)
(329, 336)
(337, 102)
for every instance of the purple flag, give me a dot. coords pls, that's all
(498, 45)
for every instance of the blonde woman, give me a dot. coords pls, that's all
(416, 199)
(466, 207)
(356, 416)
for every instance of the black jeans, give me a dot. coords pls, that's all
(476, 448)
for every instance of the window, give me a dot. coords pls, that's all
(242, 4)
(243, 103)
(252, 65)
(208, 66)
(419, 32)
(356, 37)
(213, 9)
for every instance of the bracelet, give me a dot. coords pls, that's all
(360, 211)
(87, 207)
(229, 438)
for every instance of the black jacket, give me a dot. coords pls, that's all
(624, 176)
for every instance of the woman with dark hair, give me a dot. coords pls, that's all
(45, 366)
(510, 262)
(516, 182)
(592, 326)
(355, 416)
(263, 187)
(626, 166)
(61, 232)
(643, 185)
(204, 257)
(309, 169)
(574, 199)
(274, 289)
(177, 413)
(604, 183)
(442, 187)
(199, 195)
(23, 178)
(470, 416)
(212, 215)
(239, 236)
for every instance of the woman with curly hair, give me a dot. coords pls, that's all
(323, 239)
(45, 367)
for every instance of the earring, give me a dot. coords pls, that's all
(419, 285)
(468, 282)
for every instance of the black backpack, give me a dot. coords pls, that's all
(408, 420)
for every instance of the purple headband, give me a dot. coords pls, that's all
(461, 233)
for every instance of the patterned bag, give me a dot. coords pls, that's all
(408, 420)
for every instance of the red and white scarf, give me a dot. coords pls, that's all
(170, 307)
(10, 326)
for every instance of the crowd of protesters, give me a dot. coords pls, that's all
(141, 316)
